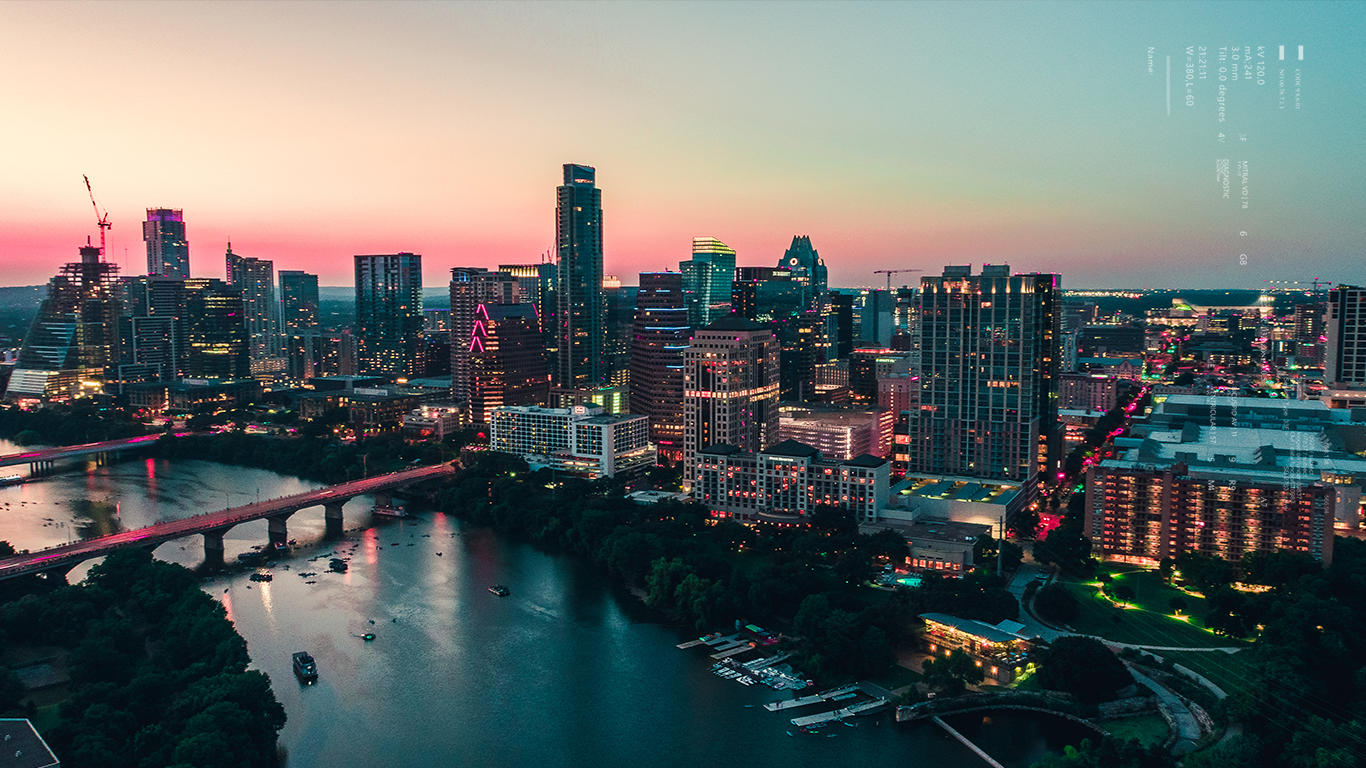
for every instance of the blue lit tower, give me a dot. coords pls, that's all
(580, 313)
(707, 280)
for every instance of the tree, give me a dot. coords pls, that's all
(1125, 593)
(1178, 604)
(1083, 667)
(1055, 603)
(1025, 523)
(952, 674)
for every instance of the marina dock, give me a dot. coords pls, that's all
(734, 650)
(816, 698)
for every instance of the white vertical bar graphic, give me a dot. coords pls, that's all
(1169, 85)
(1301, 53)
(1282, 53)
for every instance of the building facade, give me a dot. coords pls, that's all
(581, 312)
(507, 360)
(472, 287)
(989, 375)
(168, 250)
(582, 440)
(298, 301)
(707, 279)
(838, 434)
(787, 482)
(389, 314)
(730, 389)
(1345, 345)
(660, 335)
(255, 280)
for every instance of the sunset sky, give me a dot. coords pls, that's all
(896, 135)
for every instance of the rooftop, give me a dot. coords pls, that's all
(22, 746)
(735, 322)
(996, 634)
(791, 448)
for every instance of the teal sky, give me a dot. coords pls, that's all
(895, 134)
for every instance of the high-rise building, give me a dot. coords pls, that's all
(581, 440)
(802, 339)
(182, 328)
(255, 279)
(216, 336)
(840, 324)
(807, 268)
(1345, 350)
(72, 343)
(471, 287)
(730, 389)
(580, 315)
(661, 333)
(168, 250)
(298, 300)
(389, 314)
(506, 361)
(620, 303)
(989, 375)
(707, 280)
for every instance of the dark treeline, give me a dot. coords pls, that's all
(79, 422)
(811, 580)
(325, 459)
(158, 673)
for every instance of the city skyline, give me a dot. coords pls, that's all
(893, 135)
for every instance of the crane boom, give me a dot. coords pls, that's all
(101, 218)
(890, 272)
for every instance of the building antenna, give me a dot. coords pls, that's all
(101, 218)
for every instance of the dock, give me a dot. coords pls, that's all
(691, 644)
(708, 641)
(734, 650)
(978, 750)
(815, 698)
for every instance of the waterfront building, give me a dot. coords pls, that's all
(255, 280)
(660, 335)
(730, 388)
(707, 279)
(298, 300)
(389, 314)
(786, 483)
(1002, 653)
(989, 375)
(507, 360)
(581, 440)
(72, 343)
(436, 420)
(581, 312)
(472, 287)
(168, 250)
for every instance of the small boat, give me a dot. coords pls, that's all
(368, 636)
(789, 733)
(11, 480)
(261, 577)
(500, 590)
(304, 667)
(390, 510)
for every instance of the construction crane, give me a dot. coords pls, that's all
(890, 272)
(102, 219)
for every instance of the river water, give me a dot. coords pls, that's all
(569, 669)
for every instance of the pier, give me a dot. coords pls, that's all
(978, 750)
(815, 698)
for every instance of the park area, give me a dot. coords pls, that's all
(1145, 614)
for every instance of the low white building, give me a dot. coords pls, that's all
(582, 439)
(786, 482)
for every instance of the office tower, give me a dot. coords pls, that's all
(1310, 333)
(1345, 348)
(730, 389)
(389, 314)
(507, 360)
(707, 280)
(298, 300)
(807, 268)
(767, 293)
(255, 279)
(801, 338)
(72, 343)
(216, 337)
(620, 302)
(660, 335)
(839, 434)
(874, 317)
(529, 280)
(580, 311)
(152, 333)
(840, 324)
(989, 375)
(868, 366)
(471, 287)
(168, 251)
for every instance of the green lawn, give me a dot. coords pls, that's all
(1228, 671)
(1150, 729)
(896, 676)
(1139, 626)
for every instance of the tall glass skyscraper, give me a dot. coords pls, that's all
(298, 300)
(168, 252)
(255, 278)
(707, 280)
(581, 311)
(808, 268)
(660, 335)
(389, 315)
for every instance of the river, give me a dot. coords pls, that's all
(569, 669)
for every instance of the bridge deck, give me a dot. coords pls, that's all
(69, 451)
(72, 554)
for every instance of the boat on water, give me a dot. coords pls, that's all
(11, 480)
(390, 510)
(500, 590)
(305, 668)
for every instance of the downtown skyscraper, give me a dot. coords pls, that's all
(255, 278)
(389, 315)
(168, 250)
(471, 288)
(989, 375)
(298, 300)
(660, 334)
(581, 312)
(707, 279)
(730, 389)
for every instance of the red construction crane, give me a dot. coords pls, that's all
(102, 219)
(890, 272)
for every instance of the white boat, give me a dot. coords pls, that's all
(390, 510)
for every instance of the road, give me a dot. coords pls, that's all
(69, 451)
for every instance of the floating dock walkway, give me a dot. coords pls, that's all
(990, 760)
(816, 698)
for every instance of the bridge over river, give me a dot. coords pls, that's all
(212, 525)
(41, 462)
